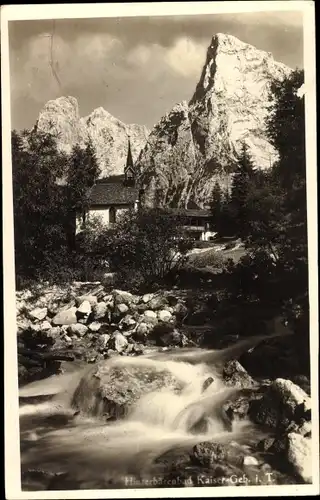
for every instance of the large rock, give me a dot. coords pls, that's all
(92, 299)
(164, 315)
(166, 335)
(157, 302)
(100, 310)
(67, 317)
(194, 144)
(122, 308)
(299, 455)
(38, 313)
(94, 326)
(85, 308)
(122, 297)
(236, 376)
(282, 404)
(209, 453)
(111, 390)
(78, 329)
(120, 342)
(109, 135)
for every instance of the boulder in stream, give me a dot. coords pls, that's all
(110, 388)
(283, 403)
(235, 375)
(209, 453)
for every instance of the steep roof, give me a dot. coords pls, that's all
(113, 193)
(129, 163)
(185, 212)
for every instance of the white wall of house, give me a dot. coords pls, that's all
(102, 213)
(206, 235)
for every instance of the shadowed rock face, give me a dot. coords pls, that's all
(108, 134)
(196, 144)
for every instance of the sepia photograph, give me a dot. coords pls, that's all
(160, 249)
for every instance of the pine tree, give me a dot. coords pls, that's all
(216, 207)
(241, 186)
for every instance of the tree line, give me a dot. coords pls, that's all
(49, 188)
(268, 211)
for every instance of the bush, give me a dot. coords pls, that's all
(144, 247)
(209, 258)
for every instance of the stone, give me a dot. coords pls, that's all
(111, 388)
(140, 308)
(164, 315)
(129, 348)
(45, 325)
(207, 383)
(283, 403)
(128, 321)
(103, 341)
(78, 329)
(169, 309)
(141, 331)
(238, 406)
(208, 454)
(236, 376)
(122, 297)
(157, 303)
(120, 342)
(180, 310)
(85, 308)
(23, 324)
(138, 348)
(67, 317)
(266, 444)
(150, 314)
(304, 428)
(248, 461)
(99, 310)
(147, 297)
(39, 313)
(299, 455)
(122, 308)
(92, 299)
(94, 326)
(53, 308)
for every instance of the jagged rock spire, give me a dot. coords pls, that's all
(129, 164)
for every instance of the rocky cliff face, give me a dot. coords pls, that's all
(196, 144)
(108, 134)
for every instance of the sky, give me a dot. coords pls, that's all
(137, 68)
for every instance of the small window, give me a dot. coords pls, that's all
(129, 174)
(112, 215)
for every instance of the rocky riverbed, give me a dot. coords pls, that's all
(136, 367)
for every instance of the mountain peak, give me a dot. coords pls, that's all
(109, 135)
(195, 145)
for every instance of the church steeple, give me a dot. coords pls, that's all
(129, 173)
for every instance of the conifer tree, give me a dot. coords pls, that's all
(241, 186)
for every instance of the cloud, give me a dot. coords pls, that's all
(136, 68)
(186, 57)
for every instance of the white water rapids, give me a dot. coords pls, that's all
(100, 454)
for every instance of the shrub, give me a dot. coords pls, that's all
(144, 247)
(209, 258)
